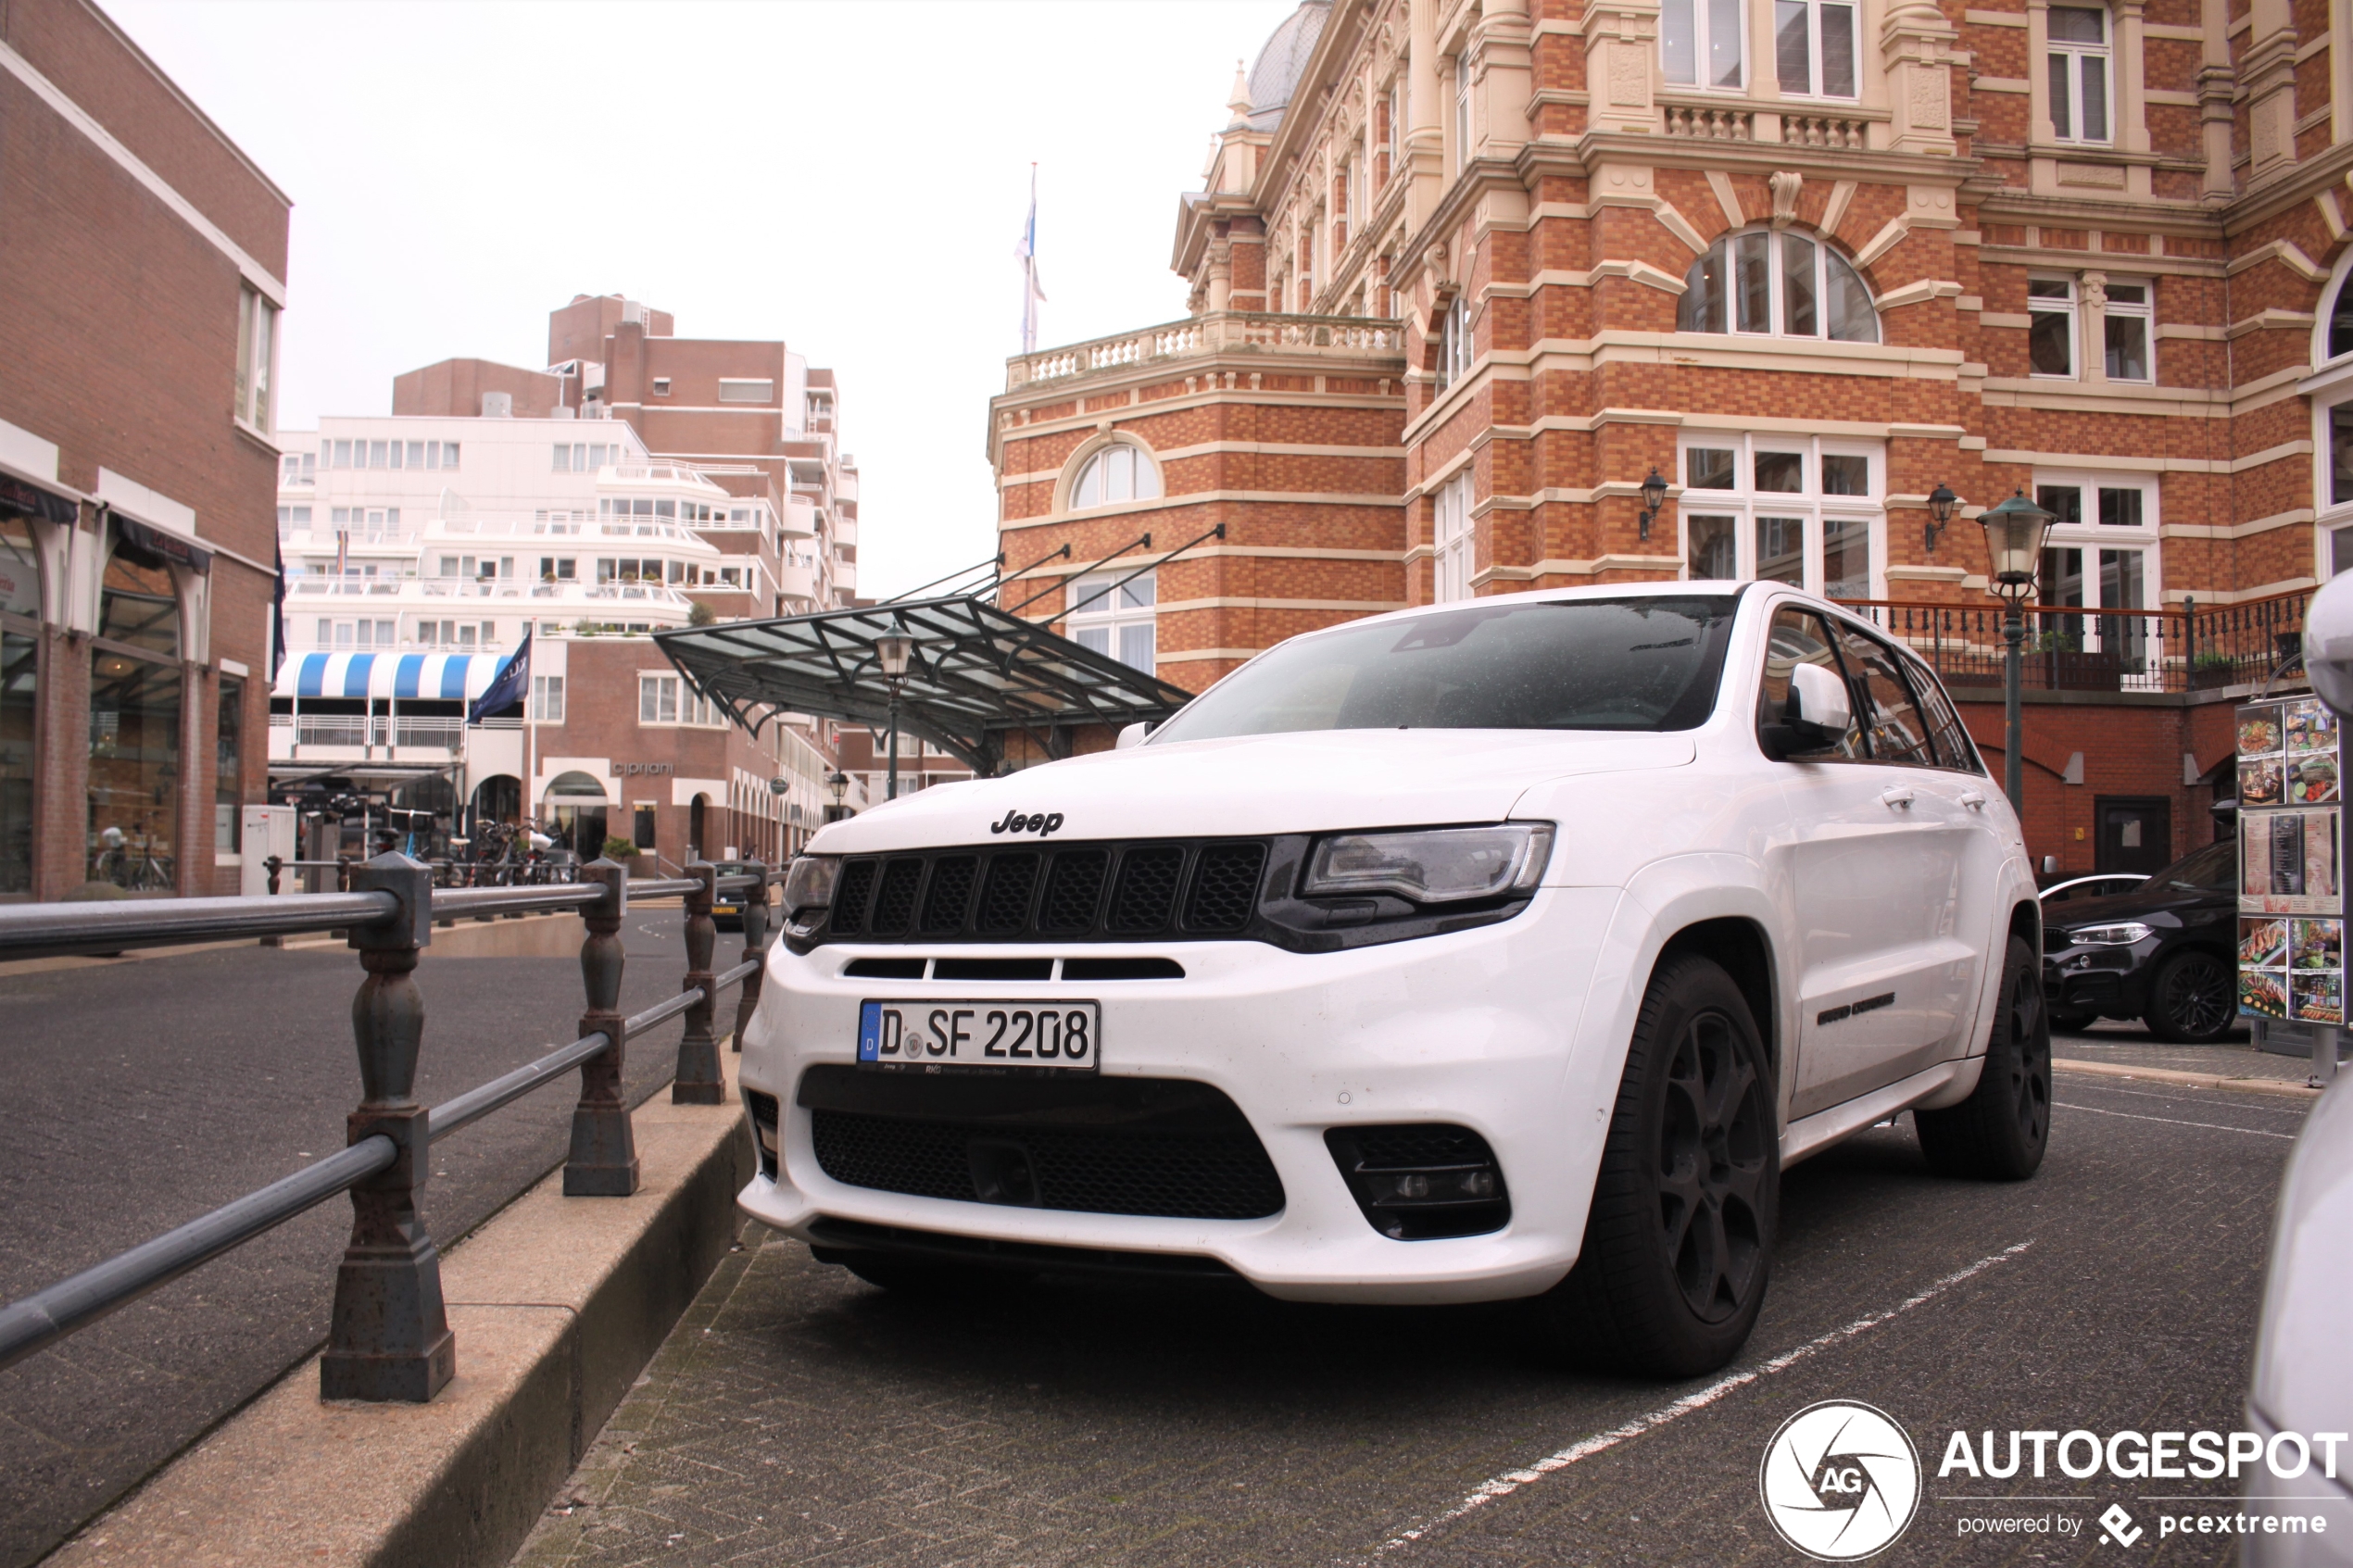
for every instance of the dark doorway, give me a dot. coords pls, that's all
(694, 828)
(642, 826)
(2135, 833)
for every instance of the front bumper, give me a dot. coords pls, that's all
(1476, 1029)
(2107, 981)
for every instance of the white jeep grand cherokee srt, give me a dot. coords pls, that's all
(1508, 948)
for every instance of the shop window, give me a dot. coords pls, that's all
(1451, 557)
(19, 568)
(19, 699)
(574, 814)
(2050, 326)
(1700, 43)
(1116, 619)
(1774, 282)
(135, 772)
(1121, 473)
(2079, 78)
(2127, 323)
(138, 605)
(1797, 510)
(228, 764)
(1814, 48)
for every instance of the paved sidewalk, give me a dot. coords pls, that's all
(2130, 1044)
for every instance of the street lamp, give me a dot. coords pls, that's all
(1654, 497)
(2013, 551)
(1940, 502)
(895, 648)
(838, 783)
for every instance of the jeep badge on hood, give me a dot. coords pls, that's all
(1042, 824)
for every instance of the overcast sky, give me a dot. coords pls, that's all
(849, 177)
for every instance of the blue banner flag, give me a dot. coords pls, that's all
(510, 686)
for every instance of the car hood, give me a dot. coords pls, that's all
(2139, 904)
(1312, 781)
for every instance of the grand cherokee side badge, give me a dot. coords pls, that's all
(1042, 824)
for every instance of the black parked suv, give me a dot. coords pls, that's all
(2163, 952)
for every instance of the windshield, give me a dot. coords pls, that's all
(2211, 869)
(1645, 664)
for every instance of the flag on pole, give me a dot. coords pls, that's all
(510, 686)
(1026, 254)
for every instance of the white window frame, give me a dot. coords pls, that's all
(1744, 503)
(1115, 462)
(2092, 536)
(1454, 343)
(673, 704)
(1454, 546)
(257, 359)
(1103, 620)
(2066, 95)
(1817, 35)
(2071, 307)
(1777, 288)
(1462, 111)
(2145, 313)
(1704, 20)
(548, 700)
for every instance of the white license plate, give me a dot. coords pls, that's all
(1063, 1036)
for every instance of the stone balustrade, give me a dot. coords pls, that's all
(1353, 337)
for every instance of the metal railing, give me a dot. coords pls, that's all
(2069, 649)
(389, 1336)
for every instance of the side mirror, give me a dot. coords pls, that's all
(1132, 734)
(1815, 716)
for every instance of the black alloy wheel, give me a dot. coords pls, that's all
(2000, 1132)
(1712, 1162)
(2193, 999)
(1678, 1239)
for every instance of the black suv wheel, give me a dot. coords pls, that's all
(2193, 999)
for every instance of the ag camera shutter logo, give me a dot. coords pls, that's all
(1839, 1481)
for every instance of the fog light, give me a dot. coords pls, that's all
(1422, 1183)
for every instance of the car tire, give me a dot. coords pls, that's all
(2193, 999)
(1999, 1132)
(1678, 1240)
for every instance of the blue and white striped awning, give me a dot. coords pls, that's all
(449, 677)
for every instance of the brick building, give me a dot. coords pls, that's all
(1465, 272)
(143, 261)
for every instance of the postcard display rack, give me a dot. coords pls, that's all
(2291, 897)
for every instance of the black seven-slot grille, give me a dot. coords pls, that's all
(1052, 892)
(1098, 1146)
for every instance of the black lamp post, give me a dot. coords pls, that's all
(838, 784)
(894, 649)
(2013, 552)
(1940, 502)
(1654, 497)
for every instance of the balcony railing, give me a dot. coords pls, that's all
(1328, 337)
(2068, 649)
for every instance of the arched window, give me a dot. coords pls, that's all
(1115, 473)
(1783, 283)
(2341, 320)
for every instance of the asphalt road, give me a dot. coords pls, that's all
(136, 1095)
(798, 1416)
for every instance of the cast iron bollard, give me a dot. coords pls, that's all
(755, 950)
(604, 1150)
(698, 1081)
(275, 865)
(389, 1337)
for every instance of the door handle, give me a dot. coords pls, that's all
(1899, 796)
(1973, 800)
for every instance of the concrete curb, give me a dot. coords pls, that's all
(2186, 1080)
(558, 1303)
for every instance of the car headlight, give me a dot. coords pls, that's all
(809, 888)
(2123, 936)
(1432, 865)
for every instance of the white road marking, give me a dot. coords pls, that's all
(2194, 1091)
(1513, 1480)
(2175, 1121)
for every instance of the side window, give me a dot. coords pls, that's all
(1799, 637)
(1953, 748)
(1897, 733)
